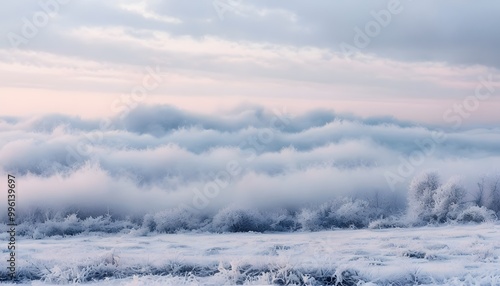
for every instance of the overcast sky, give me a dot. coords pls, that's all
(408, 59)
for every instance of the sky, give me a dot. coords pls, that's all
(413, 60)
(273, 103)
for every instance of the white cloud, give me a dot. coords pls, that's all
(316, 157)
(142, 9)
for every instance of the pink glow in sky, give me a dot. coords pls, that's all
(208, 64)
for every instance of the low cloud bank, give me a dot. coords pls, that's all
(159, 161)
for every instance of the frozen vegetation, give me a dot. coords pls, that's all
(437, 240)
(429, 202)
(446, 255)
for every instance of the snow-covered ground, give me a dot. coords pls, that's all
(447, 255)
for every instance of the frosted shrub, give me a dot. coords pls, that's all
(353, 213)
(71, 225)
(25, 229)
(320, 217)
(236, 219)
(173, 220)
(488, 193)
(476, 214)
(337, 214)
(281, 220)
(494, 195)
(309, 219)
(96, 224)
(39, 215)
(447, 200)
(148, 222)
(105, 224)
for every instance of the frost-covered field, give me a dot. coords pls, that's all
(446, 255)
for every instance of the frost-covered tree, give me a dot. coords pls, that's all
(480, 195)
(354, 213)
(310, 220)
(447, 200)
(493, 201)
(420, 196)
(429, 201)
(488, 193)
